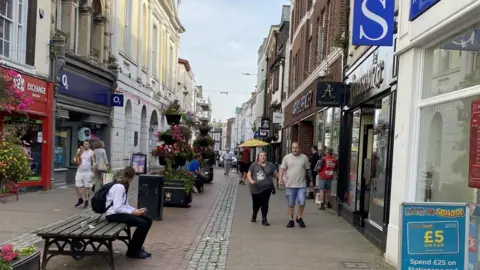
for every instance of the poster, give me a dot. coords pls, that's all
(139, 163)
(434, 236)
(474, 149)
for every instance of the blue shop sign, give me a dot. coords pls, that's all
(373, 22)
(418, 7)
(330, 94)
(434, 236)
(85, 88)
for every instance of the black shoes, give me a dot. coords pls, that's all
(300, 222)
(138, 255)
(254, 218)
(265, 222)
(329, 205)
(322, 206)
(310, 196)
(290, 224)
(86, 204)
(80, 202)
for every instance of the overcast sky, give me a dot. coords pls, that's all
(221, 42)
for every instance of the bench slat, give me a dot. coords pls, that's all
(80, 231)
(90, 233)
(67, 232)
(114, 228)
(49, 228)
(67, 225)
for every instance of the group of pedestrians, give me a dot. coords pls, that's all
(300, 176)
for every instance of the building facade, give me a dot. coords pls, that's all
(229, 133)
(184, 89)
(145, 42)
(435, 135)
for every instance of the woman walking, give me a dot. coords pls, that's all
(118, 210)
(261, 175)
(101, 165)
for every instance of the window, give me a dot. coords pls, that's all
(6, 22)
(354, 156)
(294, 73)
(13, 30)
(126, 27)
(309, 68)
(321, 29)
(170, 69)
(154, 51)
(20, 27)
(58, 15)
(77, 30)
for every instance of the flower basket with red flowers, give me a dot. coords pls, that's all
(19, 259)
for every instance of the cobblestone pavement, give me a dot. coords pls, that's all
(211, 251)
(327, 242)
(169, 240)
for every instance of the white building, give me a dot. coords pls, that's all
(145, 41)
(439, 83)
(257, 111)
(184, 89)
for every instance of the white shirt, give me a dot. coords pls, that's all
(86, 165)
(227, 156)
(117, 194)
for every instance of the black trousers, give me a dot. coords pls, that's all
(260, 201)
(142, 224)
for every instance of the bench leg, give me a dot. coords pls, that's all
(45, 254)
(110, 256)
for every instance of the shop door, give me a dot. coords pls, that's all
(363, 196)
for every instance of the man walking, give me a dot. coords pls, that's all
(227, 161)
(296, 167)
(84, 177)
(244, 164)
(314, 158)
(326, 170)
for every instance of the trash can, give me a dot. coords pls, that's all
(150, 195)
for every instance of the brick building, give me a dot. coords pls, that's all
(316, 54)
(229, 132)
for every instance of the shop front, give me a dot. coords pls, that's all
(367, 143)
(34, 127)
(83, 113)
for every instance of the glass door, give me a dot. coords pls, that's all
(350, 195)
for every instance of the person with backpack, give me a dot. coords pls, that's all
(111, 200)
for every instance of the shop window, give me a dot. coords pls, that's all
(30, 133)
(328, 127)
(320, 129)
(453, 64)
(62, 156)
(354, 151)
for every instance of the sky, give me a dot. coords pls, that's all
(221, 42)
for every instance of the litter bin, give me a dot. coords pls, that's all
(150, 195)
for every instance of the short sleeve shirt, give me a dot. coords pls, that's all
(295, 170)
(263, 177)
(194, 166)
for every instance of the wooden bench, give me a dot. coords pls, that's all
(74, 237)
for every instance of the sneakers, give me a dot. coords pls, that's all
(290, 224)
(80, 202)
(265, 222)
(300, 222)
(86, 204)
(195, 189)
(317, 202)
(254, 218)
(322, 206)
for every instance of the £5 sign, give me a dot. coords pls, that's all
(373, 22)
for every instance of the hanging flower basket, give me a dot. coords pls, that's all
(173, 119)
(167, 139)
(179, 161)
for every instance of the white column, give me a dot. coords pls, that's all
(140, 39)
(150, 28)
(160, 53)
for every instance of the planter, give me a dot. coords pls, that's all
(179, 161)
(174, 194)
(31, 262)
(167, 139)
(173, 119)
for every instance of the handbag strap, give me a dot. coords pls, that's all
(266, 174)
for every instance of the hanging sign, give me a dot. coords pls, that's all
(373, 22)
(330, 94)
(418, 7)
(139, 163)
(433, 236)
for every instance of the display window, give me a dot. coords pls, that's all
(354, 152)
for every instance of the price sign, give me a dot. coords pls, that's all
(434, 236)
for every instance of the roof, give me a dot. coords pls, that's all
(185, 63)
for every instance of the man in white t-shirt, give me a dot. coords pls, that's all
(227, 161)
(84, 176)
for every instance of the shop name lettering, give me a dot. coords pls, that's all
(302, 104)
(19, 83)
(372, 79)
(447, 213)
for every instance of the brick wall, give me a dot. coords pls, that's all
(305, 136)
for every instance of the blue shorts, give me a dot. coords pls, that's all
(294, 195)
(323, 184)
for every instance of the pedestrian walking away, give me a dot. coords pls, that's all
(118, 210)
(101, 165)
(296, 169)
(326, 168)
(227, 161)
(261, 175)
(314, 158)
(244, 164)
(84, 176)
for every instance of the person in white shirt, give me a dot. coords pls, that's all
(118, 210)
(227, 161)
(84, 176)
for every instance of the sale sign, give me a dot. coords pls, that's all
(434, 236)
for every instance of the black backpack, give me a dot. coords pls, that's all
(99, 199)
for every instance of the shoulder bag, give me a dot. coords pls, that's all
(273, 185)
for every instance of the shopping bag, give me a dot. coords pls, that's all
(107, 178)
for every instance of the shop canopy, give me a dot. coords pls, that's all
(253, 143)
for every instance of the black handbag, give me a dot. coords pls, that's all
(274, 190)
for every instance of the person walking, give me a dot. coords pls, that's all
(261, 175)
(296, 169)
(244, 165)
(84, 177)
(227, 161)
(314, 158)
(326, 171)
(101, 164)
(118, 210)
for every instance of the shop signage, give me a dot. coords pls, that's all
(302, 104)
(469, 41)
(277, 117)
(372, 79)
(116, 100)
(373, 22)
(330, 94)
(139, 163)
(474, 153)
(82, 87)
(418, 7)
(434, 236)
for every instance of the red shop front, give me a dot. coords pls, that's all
(36, 124)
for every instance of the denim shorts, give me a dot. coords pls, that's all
(294, 195)
(323, 184)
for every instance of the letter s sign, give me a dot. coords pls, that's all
(373, 22)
